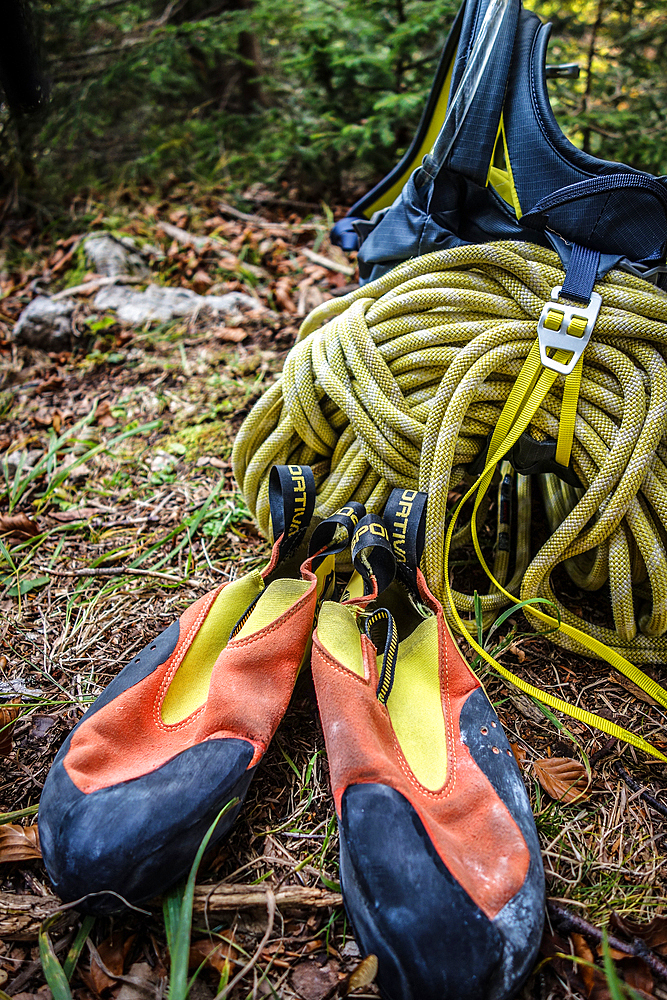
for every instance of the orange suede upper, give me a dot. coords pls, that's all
(251, 685)
(469, 825)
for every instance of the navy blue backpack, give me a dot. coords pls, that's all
(489, 162)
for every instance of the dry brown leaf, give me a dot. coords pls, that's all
(519, 753)
(313, 981)
(283, 295)
(637, 975)
(18, 524)
(19, 843)
(112, 952)
(75, 514)
(214, 953)
(518, 651)
(591, 977)
(618, 678)
(201, 282)
(364, 974)
(232, 334)
(653, 934)
(8, 717)
(563, 778)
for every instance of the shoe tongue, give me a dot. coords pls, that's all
(292, 502)
(372, 555)
(405, 520)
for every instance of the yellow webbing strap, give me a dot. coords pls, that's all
(568, 413)
(527, 395)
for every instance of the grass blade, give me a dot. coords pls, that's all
(69, 965)
(53, 970)
(178, 913)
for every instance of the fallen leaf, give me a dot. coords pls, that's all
(519, 754)
(19, 525)
(8, 717)
(201, 282)
(591, 977)
(563, 778)
(112, 953)
(283, 295)
(313, 981)
(75, 514)
(19, 843)
(363, 975)
(618, 678)
(518, 651)
(214, 953)
(637, 975)
(41, 725)
(103, 417)
(653, 934)
(232, 334)
(142, 983)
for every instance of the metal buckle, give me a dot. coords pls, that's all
(567, 327)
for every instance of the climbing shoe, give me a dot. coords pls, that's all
(179, 732)
(440, 864)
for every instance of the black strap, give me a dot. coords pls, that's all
(372, 554)
(333, 535)
(405, 520)
(537, 217)
(292, 502)
(581, 274)
(390, 654)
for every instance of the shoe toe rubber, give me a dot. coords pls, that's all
(137, 838)
(432, 941)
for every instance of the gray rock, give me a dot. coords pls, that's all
(160, 304)
(111, 257)
(26, 459)
(45, 324)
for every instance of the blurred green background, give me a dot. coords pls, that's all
(318, 97)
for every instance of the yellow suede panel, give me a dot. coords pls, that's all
(415, 706)
(338, 632)
(278, 597)
(354, 589)
(189, 687)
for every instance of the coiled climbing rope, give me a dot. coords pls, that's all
(402, 382)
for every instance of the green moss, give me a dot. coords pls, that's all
(210, 438)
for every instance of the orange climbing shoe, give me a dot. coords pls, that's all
(179, 732)
(440, 864)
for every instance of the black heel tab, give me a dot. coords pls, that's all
(372, 554)
(292, 502)
(333, 535)
(405, 521)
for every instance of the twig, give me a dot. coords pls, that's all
(21, 914)
(271, 908)
(111, 571)
(569, 921)
(258, 220)
(91, 286)
(333, 265)
(283, 203)
(636, 787)
(201, 242)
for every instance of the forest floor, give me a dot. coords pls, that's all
(118, 509)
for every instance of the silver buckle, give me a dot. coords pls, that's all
(574, 329)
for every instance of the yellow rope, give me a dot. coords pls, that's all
(401, 382)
